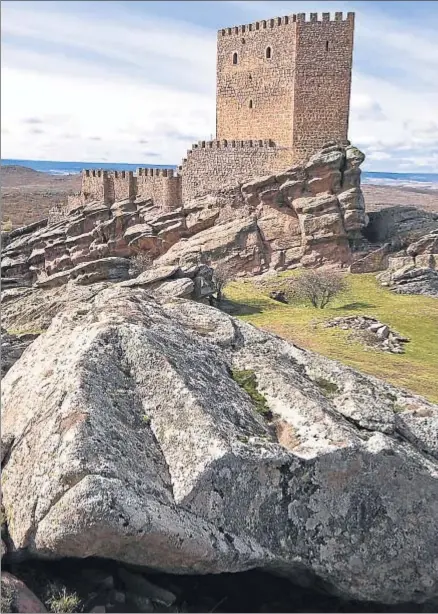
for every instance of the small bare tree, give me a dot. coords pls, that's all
(140, 262)
(221, 277)
(317, 287)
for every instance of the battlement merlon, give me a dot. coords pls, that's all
(274, 22)
(232, 144)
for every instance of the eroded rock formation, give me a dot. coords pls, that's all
(309, 215)
(414, 270)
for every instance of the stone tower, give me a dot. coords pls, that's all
(287, 79)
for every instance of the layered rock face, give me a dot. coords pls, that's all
(127, 435)
(309, 215)
(414, 270)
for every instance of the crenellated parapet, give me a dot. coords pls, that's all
(287, 20)
(162, 185)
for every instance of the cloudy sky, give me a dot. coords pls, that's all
(135, 81)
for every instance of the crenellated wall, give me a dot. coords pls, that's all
(322, 81)
(163, 186)
(213, 165)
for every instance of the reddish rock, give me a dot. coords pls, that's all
(18, 596)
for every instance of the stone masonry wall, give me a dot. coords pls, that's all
(254, 97)
(213, 165)
(286, 79)
(283, 92)
(323, 63)
(162, 185)
(94, 184)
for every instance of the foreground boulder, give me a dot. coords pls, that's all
(130, 433)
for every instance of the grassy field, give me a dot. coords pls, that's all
(415, 317)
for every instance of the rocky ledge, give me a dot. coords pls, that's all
(165, 434)
(414, 270)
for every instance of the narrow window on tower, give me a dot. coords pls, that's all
(326, 45)
(250, 104)
(235, 57)
(268, 53)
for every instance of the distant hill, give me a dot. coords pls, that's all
(28, 195)
(12, 169)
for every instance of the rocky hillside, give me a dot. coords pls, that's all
(308, 216)
(311, 216)
(165, 434)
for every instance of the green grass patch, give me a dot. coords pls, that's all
(61, 600)
(26, 331)
(248, 382)
(415, 317)
(328, 388)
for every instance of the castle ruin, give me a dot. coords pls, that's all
(282, 92)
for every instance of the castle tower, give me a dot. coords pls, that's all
(287, 79)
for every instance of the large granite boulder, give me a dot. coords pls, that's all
(175, 437)
(17, 597)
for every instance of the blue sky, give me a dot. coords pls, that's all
(135, 81)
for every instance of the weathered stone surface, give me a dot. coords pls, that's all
(376, 260)
(12, 347)
(414, 273)
(111, 269)
(32, 309)
(154, 274)
(238, 241)
(382, 338)
(19, 598)
(425, 245)
(131, 440)
(400, 224)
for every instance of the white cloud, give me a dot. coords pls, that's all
(127, 90)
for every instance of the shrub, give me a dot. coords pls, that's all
(317, 287)
(327, 386)
(8, 597)
(221, 277)
(247, 380)
(60, 600)
(140, 262)
(7, 226)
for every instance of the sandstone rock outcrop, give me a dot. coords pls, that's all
(309, 215)
(127, 436)
(414, 270)
(402, 225)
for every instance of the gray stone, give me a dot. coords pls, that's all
(382, 332)
(207, 484)
(136, 583)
